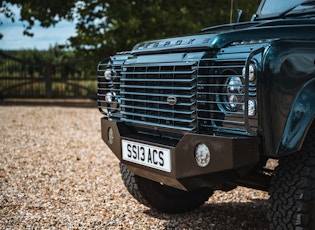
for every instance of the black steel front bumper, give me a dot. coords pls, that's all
(230, 156)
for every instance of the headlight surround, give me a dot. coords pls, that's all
(233, 95)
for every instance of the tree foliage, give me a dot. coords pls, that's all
(104, 27)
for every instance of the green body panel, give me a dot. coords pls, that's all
(209, 40)
(287, 90)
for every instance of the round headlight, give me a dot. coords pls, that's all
(234, 90)
(251, 72)
(232, 101)
(202, 155)
(234, 85)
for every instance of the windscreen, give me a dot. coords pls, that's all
(274, 7)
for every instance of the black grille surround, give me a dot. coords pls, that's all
(183, 96)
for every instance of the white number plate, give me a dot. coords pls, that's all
(147, 155)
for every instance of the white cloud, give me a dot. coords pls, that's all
(14, 39)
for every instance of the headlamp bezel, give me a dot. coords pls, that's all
(232, 97)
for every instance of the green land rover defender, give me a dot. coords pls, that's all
(208, 111)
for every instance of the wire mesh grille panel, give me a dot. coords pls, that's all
(160, 95)
(109, 89)
(222, 96)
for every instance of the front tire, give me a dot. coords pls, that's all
(161, 197)
(292, 191)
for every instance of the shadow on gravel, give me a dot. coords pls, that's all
(249, 215)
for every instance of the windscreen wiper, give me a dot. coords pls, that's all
(305, 3)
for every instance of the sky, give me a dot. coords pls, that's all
(43, 38)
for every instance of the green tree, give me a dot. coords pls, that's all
(48, 13)
(104, 27)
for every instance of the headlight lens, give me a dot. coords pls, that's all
(234, 90)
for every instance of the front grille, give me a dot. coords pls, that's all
(182, 96)
(146, 89)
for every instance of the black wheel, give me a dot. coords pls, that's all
(292, 191)
(161, 197)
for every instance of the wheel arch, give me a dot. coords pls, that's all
(300, 120)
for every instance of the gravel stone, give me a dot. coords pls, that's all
(57, 173)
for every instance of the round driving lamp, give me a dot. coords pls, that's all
(110, 97)
(202, 155)
(109, 74)
(112, 101)
(110, 136)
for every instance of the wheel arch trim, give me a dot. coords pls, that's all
(300, 119)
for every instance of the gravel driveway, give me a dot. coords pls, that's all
(56, 173)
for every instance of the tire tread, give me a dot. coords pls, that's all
(161, 197)
(292, 193)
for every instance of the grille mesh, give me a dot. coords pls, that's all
(105, 86)
(145, 91)
(214, 113)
